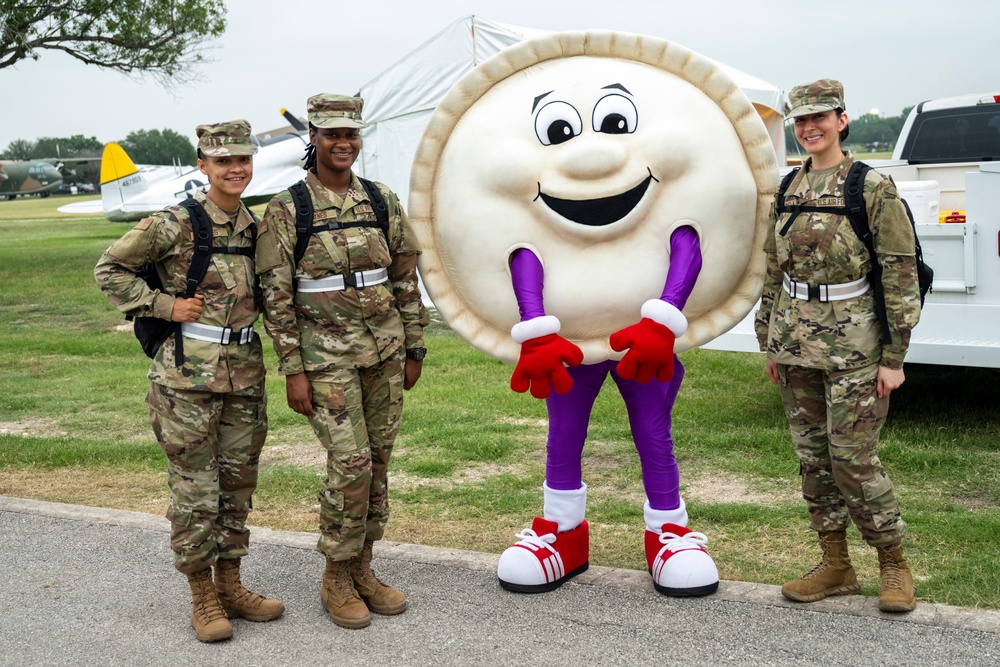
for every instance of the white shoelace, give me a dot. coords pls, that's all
(540, 541)
(675, 542)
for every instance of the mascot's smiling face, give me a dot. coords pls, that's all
(593, 147)
(557, 122)
(591, 162)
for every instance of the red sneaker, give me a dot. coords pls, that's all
(679, 562)
(544, 558)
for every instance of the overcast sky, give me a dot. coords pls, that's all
(889, 54)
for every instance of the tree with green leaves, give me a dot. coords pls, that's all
(158, 147)
(19, 149)
(75, 146)
(160, 38)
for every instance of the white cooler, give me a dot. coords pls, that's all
(924, 198)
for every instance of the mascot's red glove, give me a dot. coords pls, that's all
(543, 359)
(650, 343)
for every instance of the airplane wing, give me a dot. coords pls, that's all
(87, 207)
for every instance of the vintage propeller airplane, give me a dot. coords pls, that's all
(29, 177)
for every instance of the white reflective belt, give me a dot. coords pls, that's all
(337, 283)
(220, 335)
(824, 293)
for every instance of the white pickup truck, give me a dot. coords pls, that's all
(946, 165)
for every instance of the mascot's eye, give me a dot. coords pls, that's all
(615, 114)
(557, 122)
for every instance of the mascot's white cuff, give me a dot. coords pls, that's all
(536, 327)
(656, 518)
(567, 508)
(666, 314)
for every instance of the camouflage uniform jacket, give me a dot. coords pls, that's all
(350, 328)
(822, 248)
(167, 239)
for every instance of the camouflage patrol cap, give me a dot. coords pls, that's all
(229, 138)
(815, 97)
(326, 110)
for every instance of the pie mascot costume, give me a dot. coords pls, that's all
(590, 203)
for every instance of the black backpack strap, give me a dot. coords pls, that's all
(854, 201)
(857, 213)
(378, 205)
(779, 197)
(779, 201)
(303, 217)
(202, 234)
(201, 229)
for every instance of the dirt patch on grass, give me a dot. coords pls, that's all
(32, 428)
(471, 475)
(523, 421)
(300, 455)
(976, 502)
(728, 488)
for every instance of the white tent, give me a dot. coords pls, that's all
(399, 101)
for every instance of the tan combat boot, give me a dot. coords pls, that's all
(896, 593)
(379, 597)
(237, 601)
(833, 576)
(207, 617)
(339, 597)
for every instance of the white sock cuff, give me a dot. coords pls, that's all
(567, 508)
(536, 327)
(666, 314)
(656, 518)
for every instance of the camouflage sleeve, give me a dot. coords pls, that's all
(275, 262)
(772, 283)
(151, 240)
(403, 274)
(894, 245)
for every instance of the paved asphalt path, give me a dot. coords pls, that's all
(89, 586)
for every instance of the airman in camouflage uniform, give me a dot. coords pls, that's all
(207, 403)
(834, 371)
(347, 352)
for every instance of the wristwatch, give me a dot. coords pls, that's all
(416, 353)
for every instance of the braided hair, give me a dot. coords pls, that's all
(310, 156)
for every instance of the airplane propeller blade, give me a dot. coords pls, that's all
(293, 121)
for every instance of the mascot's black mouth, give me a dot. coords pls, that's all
(597, 212)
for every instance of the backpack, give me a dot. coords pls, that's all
(854, 209)
(304, 215)
(153, 331)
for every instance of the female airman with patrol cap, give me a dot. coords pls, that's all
(819, 327)
(347, 323)
(206, 403)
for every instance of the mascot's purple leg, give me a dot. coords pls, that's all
(569, 417)
(650, 407)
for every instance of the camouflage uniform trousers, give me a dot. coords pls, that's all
(835, 417)
(212, 441)
(356, 416)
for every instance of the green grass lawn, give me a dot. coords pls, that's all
(469, 461)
